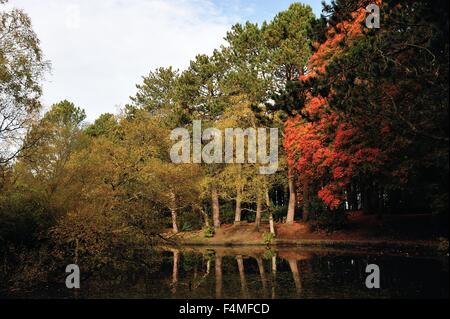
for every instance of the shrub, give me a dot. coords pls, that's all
(279, 212)
(24, 218)
(190, 220)
(227, 213)
(209, 232)
(268, 254)
(321, 218)
(268, 238)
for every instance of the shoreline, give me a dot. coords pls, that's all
(410, 233)
(431, 246)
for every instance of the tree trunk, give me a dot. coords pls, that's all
(173, 210)
(352, 197)
(237, 216)
(292, 198)
(269, 208)
(258, 210)
(208, 266)
(205, 218)
(215, 206)
(305, 201)
(271, 224)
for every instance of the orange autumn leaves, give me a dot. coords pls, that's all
(343, 32)
(322, 146)
(326, 152)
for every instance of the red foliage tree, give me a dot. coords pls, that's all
(321, 143)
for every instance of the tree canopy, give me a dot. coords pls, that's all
(363, 114)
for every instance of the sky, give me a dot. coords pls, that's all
(99, 50)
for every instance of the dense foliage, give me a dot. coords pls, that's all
(373, 132)
(364, 114)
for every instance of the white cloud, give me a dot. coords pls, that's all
(100, 49)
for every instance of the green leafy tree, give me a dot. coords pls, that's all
(22, 66)
(105, 125)
(55, 137)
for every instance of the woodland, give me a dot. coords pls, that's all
(362, 115)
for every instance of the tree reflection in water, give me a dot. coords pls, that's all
(296, 273)
(248, 272)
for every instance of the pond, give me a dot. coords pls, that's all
(259, 272)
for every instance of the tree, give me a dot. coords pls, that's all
(105, 125)
(267, 61)
(200, 88)
(157, 92)
(392, 84)
(200, 91)
(250, 67)
(40, 186)
(55, 138)
(288, 36)
(376, 111)
(124, 188)
(234, 179)
(321, 142)
(22, 66)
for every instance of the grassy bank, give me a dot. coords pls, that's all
(405, 233)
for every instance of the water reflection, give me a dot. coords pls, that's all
(296, 274)
(244, 288)
(176, 265)
(255, 272)
(219, 280)
(274, 275)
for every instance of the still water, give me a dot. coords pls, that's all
(259, 272)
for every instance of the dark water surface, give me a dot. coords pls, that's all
(259, 272)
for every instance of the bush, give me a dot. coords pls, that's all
(209, 232)
(321, 218)
(268, 254)
(227, 213)
(190, 220)
(279, 212)
(328, 221)
(24, 218)
(268, 238)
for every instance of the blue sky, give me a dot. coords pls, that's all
(100, 49)
(260, 10)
